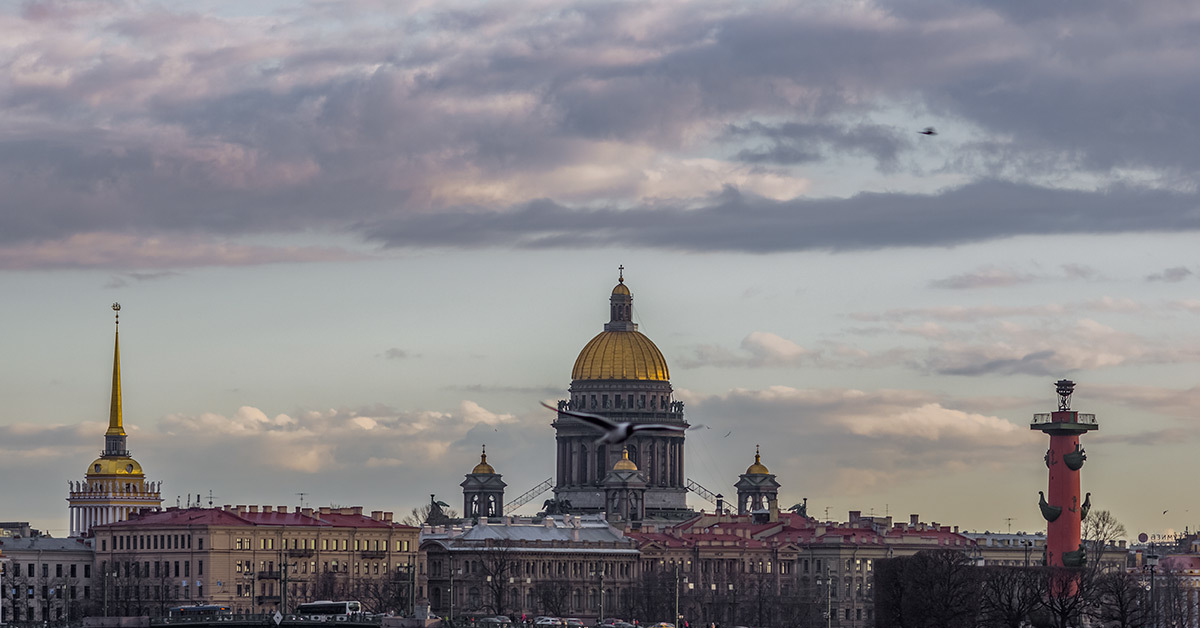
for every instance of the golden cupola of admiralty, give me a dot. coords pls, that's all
(114, 487)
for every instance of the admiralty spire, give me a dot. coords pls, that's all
(114, 486)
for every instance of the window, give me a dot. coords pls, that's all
(199, 568)
(200, 543)
(58, 570)
(87, 573)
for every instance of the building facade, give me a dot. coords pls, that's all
(114, 486)
(566, 566)
(256, 559)
(46, 580)
(620, 374)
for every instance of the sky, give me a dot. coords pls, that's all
(356, 241)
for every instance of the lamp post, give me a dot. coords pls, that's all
(1152, 562)
(600, 572)
(676, 595)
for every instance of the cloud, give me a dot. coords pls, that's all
(896, 436)
(110, 250)
(122, 280)
(758, 349)
(686, 126)
(984, 278)
(396, 353)
(1171, 275)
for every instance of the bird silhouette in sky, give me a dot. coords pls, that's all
(616, 432)
(928, 131)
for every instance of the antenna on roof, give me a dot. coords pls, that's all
(302, 499)
(210, 498)
(1009, 521)
(177, 501)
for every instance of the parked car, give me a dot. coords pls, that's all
(663, 624)
(547, 621)
(573, 622)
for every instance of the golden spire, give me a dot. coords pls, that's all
(115, 427)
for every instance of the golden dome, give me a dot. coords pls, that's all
(621, 288)
(621, 355)
(483, 466)
(625, 464)
(758, 467)
(117, 465)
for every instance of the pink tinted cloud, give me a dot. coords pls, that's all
(122, 251)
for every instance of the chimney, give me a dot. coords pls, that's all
(281, 509)
(913, 520)
(325, 510)
(226, 507)
(855, 516)
(357, 510)
(307, 512)
(387, 516)
(720, 504)
(241, 509)
(268, 509)
(254, 508)
(377, 515)
(773, 508)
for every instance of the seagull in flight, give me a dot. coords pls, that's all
(928, 131)
(616, 432)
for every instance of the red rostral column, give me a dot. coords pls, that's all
(1063, 509)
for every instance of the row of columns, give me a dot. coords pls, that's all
(660, 460)
(84, 518)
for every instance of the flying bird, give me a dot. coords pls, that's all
(616, 432)
(727, 434)
(928, 131)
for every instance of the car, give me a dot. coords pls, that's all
(663, 624)
(573, 622)
(547, 621)
(611, 621)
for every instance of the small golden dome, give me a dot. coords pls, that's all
(625, 464)
(119, 465)
(621, 355)
(758, 467)
(621, 289)
(483, 466)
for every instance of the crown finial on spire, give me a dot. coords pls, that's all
(483, 455)
(757, 457)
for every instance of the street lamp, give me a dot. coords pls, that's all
(1152, 562)
(600, 572)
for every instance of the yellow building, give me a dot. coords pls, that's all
(256, 559)
(114, 486)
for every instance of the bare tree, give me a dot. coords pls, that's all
(1008, 596)
(1100, 530)
(552, 596)
(930, 589)
(420, 515)
(1121, 600)
(1067, 596)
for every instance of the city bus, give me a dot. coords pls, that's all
(326, 610)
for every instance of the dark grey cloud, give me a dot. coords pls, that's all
(794, 143)
(985, 278)
(122, 280)
(396, 353)
(733, 221)
(1037, 363)
(1174, 274)
(444, 126)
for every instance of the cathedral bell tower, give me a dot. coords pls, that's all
(756, 488)
(483, 491)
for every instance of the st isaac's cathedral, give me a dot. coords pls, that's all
(620, 374)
